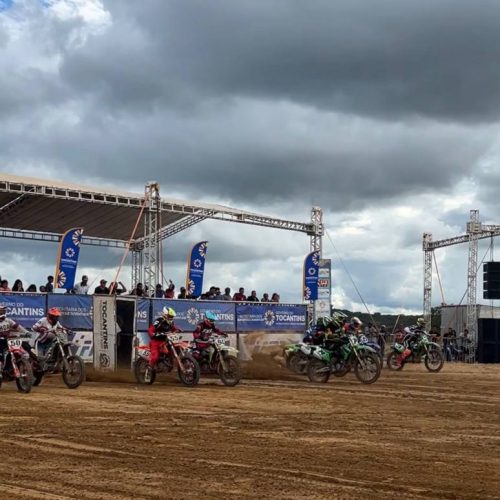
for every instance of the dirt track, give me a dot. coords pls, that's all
(410, 435)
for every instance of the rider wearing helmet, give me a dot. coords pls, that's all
(205, 329)
(354, 326)
(158, 333)
(46, 328)
(415, 331)
(7, 326)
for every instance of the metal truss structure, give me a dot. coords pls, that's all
(42, 210)
(475, 232)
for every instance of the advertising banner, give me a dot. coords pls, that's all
(26, 309)
(104, 332)
(310, 278)
(83, 346)
(196, 269)
(142, 319)
(270, 317)
(76, 310)
(67, 258)
(190, 312)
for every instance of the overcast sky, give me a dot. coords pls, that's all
(386, 114)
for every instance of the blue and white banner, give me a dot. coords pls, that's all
(76, 310)
(142, 319)
(67, 259)
(196, 269)
(25, 309)
(190, 312)
(311, 271)
(270, 317)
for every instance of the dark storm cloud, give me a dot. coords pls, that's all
(434, 58)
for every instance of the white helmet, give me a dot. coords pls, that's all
(356, 321)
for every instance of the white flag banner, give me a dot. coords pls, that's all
(105, 332)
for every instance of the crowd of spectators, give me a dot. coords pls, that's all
(83, 288)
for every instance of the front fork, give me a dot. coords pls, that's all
(180, 366)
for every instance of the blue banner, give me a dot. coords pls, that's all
(190, 312)
(271, 317)
(196, 269)
(311, 268)
(142, 319)
(67, 259)
(25, 309)
(76, 310)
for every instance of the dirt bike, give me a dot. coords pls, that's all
(173, 353)
(15, 365)
(340, 358)
(58, 358)
(404, 352)
(218, 358)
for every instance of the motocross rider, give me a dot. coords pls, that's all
(204, 331)
(354, 326)
(7, 327)
(46, 328)
(158, 331)
(414, 332)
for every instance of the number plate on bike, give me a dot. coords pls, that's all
(220, 341)
(15, 343)
(174, 338)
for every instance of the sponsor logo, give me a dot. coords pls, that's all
(315, 258)
(61, 279)
(191, 287)
(77, 237)
(70, 253)
(104, 361)
(193, 316)
(203, 249)
(311, 271)
(269, 318)
(197, 263)
(104, 326)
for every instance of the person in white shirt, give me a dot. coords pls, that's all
(83, 287)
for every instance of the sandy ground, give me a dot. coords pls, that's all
(411, 435)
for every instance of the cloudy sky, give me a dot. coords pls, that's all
(386, 114)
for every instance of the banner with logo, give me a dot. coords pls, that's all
(190, 312)
(67, 259)
(196, 269)
(270, 317)
(270, 345)
(142, 319)
(310, 279)
(24, 309)
(104, 332)
(83, 346)
(76, 310)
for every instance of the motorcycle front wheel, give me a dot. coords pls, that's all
(73, 373)
(434, 360)
(25, 380)
(318, 371)
(190, 375)
(393, 363)
(368, 370)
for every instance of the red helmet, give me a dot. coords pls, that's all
(54, 311)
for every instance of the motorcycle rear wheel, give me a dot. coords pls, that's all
(392, 362)
(318, 371)
(25, 380)
(143, 372)
(190, 376)
(74, 377)
(298, 363)
(232, 375)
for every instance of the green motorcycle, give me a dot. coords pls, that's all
(297, 357)
(340, 359)
(403, 353)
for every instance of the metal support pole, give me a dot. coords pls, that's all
(427, 239)
(317, 235)
(136, 275)
(151, 252)
(474, 230)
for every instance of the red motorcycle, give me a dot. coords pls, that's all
(173, 353)
(15, 365)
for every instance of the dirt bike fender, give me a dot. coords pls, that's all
(366, 348)
(230, 351)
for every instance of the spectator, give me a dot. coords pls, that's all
(252, 297)
(217, 293)
(227, 294)
(159, 292)
(170, 291)
(18, 286)
(115, 289)
(183, 293)
(138, 290)
(265, 298)
(448, 341)
(49, 287)
(275, 297)
(211, 294)
(102, 289)
(239, 296)
(31, 288)
(4, 286)
(82, 288)
(43, 289)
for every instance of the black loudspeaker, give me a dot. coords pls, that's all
(491, 280)
(488, 340)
